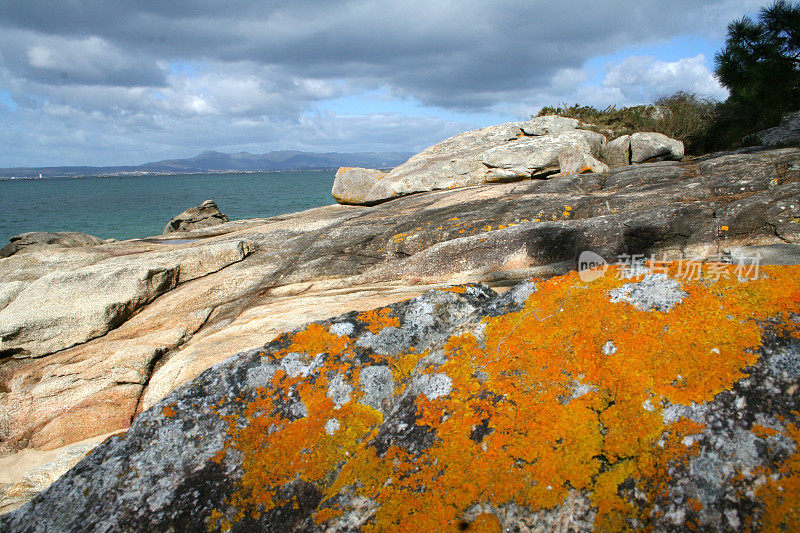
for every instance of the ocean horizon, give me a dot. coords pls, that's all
(130, 207)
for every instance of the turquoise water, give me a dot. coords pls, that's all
(140, 206)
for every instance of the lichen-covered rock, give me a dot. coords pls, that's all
(557, 405)
(321, 262)
(205, 215)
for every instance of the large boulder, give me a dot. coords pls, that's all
(552, 407)
(352, 184)
(40, 240)
(648, 147)
(507, 152)
(538, 148)
(205, 215)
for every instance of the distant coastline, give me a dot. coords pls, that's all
(211, 162)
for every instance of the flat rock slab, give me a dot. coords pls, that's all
(65, 308)
(41, 240)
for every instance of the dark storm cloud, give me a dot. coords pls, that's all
(121, 81)
(449, 53)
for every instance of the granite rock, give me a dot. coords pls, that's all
(462, 409)
(40, 240)
(321, 262)
(205, 215)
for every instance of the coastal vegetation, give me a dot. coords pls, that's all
(760, 67)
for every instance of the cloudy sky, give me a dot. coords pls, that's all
(105, 82)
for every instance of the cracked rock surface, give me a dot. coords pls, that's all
(465, 409)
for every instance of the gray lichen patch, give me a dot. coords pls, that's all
(609, 348)
(342, 329)
(433, 385)
(332, 426)
(294, 364)
(339, 391)
(655, 291)
(377, 384)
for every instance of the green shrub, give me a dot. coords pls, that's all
(683, 116)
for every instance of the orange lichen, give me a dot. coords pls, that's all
(763, 431)
(168, 410)
(781, 496)
(377, 319)
(559, 413)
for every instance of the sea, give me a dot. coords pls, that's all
(128, 207)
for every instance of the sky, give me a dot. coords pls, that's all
(111, 82)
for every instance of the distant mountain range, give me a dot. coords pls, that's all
(211, 161)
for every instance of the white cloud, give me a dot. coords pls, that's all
(640, 79)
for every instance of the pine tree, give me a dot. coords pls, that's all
(760, 64)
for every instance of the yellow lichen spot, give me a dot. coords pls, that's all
(724, 228)
(400, 237)
(501, 226)
(168, 410)
(451, 219)
(485, 523)
(781, 496)
(567, 208)
(565, 214)
(458, 289)
(377, 319)
(763, 431)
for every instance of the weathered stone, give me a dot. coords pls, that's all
(65, 308)
(205, 215)
(574, 161)
(40, 240)
(617, 153)
(29, 472)
(508, 152)
(456, 411)
(787, 133)
(351, 184)
(650, 147)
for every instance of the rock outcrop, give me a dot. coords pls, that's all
(205, 215)
(538, 148)
(465, 410)
(319, 263)
(41, 240)
(69, 307)
(787, 133)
